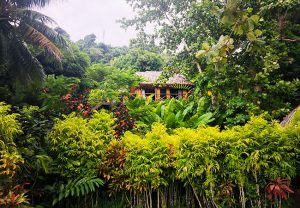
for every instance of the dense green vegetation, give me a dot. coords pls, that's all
(71, 135)
(139, 60)
(228, 168)
(245, 52)
(22, 28)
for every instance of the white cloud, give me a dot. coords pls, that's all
(83, 17)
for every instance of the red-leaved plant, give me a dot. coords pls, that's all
(278, 189)
(15, 197)
(124, 121)
(76, 101)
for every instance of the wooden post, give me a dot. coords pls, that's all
(185, 94)
(132, 91)
(138, 92)
(168, 93)
(157, 93)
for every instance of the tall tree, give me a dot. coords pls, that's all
(145, 42)
(88, 41)
(254, 66)
(100, 52)
(247, 50)
(139, 60)
(73, 64)
(20, 28)
(180, 25)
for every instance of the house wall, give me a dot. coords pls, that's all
(140, 91)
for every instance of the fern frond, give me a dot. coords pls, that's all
(77, 188)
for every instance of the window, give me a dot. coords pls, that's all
(174, 93)
(163, 93)
(180, 94)
(148, 92)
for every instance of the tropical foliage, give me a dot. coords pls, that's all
(238, 167)
(111, 83)
(229, 168)
(139, 60)
(173, 113)
(78, 143)
(72, 134)
(76, 188)
(20, 28)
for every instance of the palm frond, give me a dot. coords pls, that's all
(17, 64)
(38, 38)
(19, 25)
(4, 46)
(21, 71)
(31, 3)
(31, 15)
(23, 66)
(40, 26)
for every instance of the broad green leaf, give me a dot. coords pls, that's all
(238, 30)
(258, 33)
(255, 18)
(251, 36)
(200, 54)
(205, 46)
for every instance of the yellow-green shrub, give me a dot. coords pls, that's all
(147, 159)
(78, 143)
(247, 157)
(10, 158)
(139, 162)
(228, 168)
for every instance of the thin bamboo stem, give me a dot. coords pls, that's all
(158, 198)
(196, 195)
(150, 197)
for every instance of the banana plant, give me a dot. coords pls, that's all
(173, 113)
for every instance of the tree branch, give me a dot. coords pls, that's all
(290, 39)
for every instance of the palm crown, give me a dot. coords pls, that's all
(20, 28)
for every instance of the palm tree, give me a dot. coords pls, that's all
(22, 28)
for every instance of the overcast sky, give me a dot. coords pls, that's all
(83, 17)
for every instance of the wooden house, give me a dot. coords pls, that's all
(177, 87)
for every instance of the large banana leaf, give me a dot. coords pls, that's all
(173, 113)
(204, 119)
